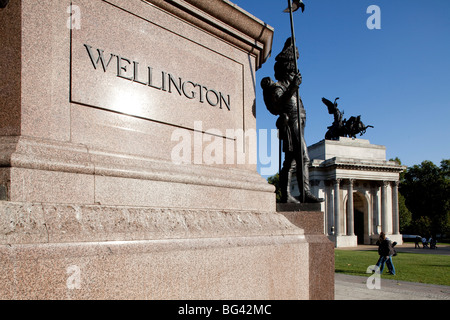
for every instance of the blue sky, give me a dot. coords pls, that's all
(397, 78)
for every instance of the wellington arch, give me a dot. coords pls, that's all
(360, 188)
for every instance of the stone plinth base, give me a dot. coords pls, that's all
(284, 207)
(321, 252)
(396, 238)
(344, 241)
(100, 252)
(393, 237)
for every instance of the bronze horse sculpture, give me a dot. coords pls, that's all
(343, 127)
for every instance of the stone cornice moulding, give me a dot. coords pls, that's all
(31, 153)
(226, 21)
(355, 164)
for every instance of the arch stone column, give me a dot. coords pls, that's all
(329, 205)
(375, 208)
(350, 209)
(337, 207)
(384, 211)
(395, 210)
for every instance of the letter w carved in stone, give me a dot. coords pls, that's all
(100, 58)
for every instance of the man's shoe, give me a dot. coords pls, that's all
(289, 199)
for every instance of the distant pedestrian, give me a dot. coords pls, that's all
(432, 243)
(417, 241)
(386, 251)
(424, 243)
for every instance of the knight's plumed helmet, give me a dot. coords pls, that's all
(285, 62)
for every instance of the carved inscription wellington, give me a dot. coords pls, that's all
(158, 80)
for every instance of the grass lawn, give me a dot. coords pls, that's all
(413, 267)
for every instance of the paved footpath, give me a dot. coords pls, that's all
(355, 288)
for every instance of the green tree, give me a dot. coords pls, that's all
(405, 216)
(275, 180)
(445, 173)
(426, 188)
(396, 160)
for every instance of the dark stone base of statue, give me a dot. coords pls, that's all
(289, 207)
(309, 198)
(321, 249)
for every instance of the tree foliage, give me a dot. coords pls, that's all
(275, 180)
(405, 216)
(426, 189)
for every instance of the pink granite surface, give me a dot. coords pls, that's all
(321, 252)
(99, 252)
(92, 205)
(234, 268)
(183, 53)
(66, 118)
(10, 66)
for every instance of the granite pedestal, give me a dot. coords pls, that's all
(308, 217)
(109, 188)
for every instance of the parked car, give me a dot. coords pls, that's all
(410, 237)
